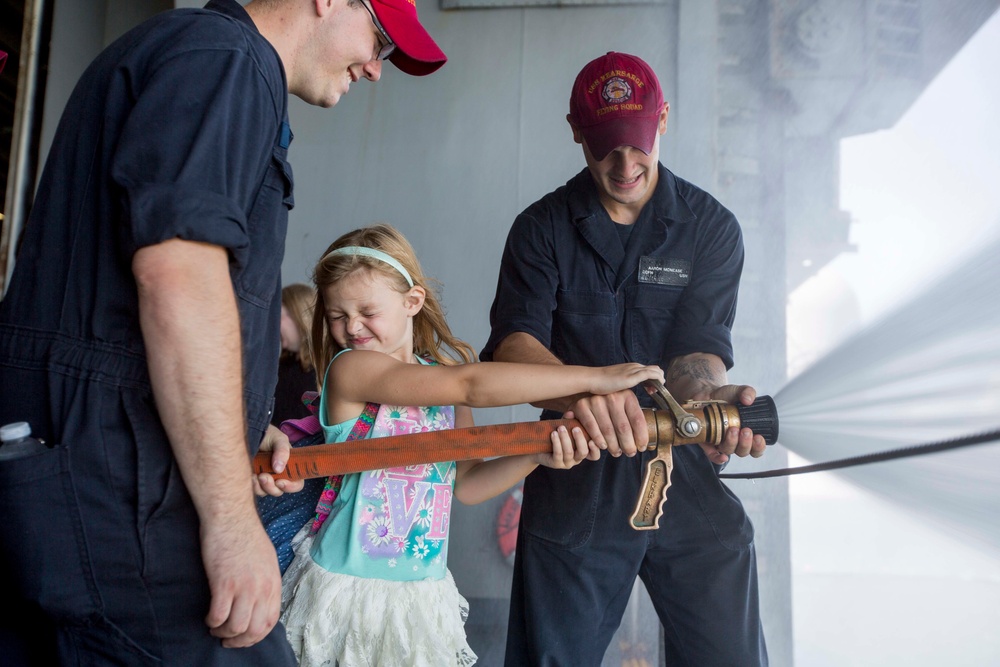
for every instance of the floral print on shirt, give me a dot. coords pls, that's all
(406, 511)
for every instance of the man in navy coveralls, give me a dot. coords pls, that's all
(628, 262)
(139, 336)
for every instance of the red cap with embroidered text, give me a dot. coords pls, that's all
(416, 51)
(616, 101)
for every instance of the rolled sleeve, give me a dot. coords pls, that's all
(704, 317)
(526, 289)
(190, 157)
(159, 212)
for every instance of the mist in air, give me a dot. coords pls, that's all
(898, 344)
(926, 372)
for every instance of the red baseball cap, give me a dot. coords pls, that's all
(3, 59)
(416, 52)
(616, 101)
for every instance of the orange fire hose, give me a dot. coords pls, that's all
(394, 451)
(480, 442)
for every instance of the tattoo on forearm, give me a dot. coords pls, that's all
(699, 370)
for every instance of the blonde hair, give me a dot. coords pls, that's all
(432, 336)
(300, 301)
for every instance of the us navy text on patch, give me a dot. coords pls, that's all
(660, 271)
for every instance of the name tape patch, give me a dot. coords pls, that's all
(661, 271)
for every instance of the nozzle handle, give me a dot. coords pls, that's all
(761, 416)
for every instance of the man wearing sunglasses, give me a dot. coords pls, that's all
(140, 333)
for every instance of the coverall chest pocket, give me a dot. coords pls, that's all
(267, 225)
(652, 312)
(584, 322)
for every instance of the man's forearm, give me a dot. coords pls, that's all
(694, 376)
(191, 330)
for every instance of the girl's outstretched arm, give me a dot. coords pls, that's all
(480, 480)
(362, 376)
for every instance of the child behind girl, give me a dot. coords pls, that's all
(369, 584)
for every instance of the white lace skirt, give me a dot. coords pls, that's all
(338, 620)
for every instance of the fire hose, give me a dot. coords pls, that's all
(696, 422)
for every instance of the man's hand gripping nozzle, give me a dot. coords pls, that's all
(696, 422)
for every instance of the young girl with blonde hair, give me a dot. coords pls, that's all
(369, 583)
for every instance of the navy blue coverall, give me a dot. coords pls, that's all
(179, 129)
(568, 279)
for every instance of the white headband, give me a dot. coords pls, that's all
(374, 254)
